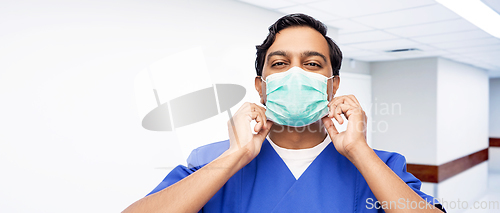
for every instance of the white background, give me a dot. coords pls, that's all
(70, 133)
(71, 138)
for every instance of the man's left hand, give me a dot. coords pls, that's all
(355, 136)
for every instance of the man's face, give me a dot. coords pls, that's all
(298, 46)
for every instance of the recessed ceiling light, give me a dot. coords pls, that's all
(404, 52)
(477, 13)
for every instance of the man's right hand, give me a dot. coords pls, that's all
(192, 192)
(240, 133)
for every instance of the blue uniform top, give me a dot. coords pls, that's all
(330, 184)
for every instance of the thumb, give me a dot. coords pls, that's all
(261, 135)
(329, 126)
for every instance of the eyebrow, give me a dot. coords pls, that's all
(279, 52)
(304, 54)
(313, 53)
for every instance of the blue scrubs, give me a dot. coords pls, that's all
(330, 184)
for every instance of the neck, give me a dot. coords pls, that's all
(298, 137)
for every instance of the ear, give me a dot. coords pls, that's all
(260, 89)
(335, 83)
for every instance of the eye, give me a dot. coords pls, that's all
(313, 64)
(278, 64)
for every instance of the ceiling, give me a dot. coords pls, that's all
(368, 29)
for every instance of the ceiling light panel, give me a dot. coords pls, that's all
(355, 8)
(456, 36)
(275, 4)
(419, 15)
(433, 28)
(477, 13)
(365, 37)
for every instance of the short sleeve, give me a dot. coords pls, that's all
(177, 174)
(197, 159)
(397, 163)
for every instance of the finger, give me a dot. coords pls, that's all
(333, 104)
(261, 135)
(339, 100)
(330, 109)
(260, 107)
(329, 126)
(244, 107)
(257, 127)
(332, 114)
(338, 112)
(258, 118)
(354, 99)
(334, 98)
(344, 100)
(348, 110)
(262, 112)
(262, 119)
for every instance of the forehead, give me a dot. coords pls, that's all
(296, 40)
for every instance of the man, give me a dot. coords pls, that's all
(299, 167)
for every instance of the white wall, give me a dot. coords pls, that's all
(404, 108)
(436, 97)
(494, 159)
(462, 110)
(358, 85)
(471, 188)
(71, 139)
(468, 186)
(494, 117)
(355, 80)
(444, 116)
(355, 66)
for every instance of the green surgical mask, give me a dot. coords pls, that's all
(296, 97)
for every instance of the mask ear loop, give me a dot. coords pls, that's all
(333, 77)
(263, 79)
(264, 82)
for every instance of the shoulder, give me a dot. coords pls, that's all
(397, 163)
(207, 153)
(390, 158)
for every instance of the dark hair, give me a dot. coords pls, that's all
(291, 20)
